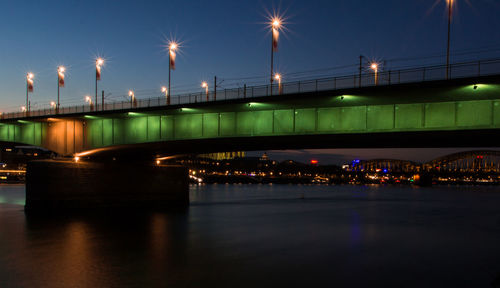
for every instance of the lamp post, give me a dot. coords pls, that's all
(172, 47)
(29, 88)
(99, 62)
(132, 98)
(53, 105)
(60, 83)
(204, 84)
(275, 27)
(277, 77)
(89, 100)
(374, 67)
(450, 13)
(167, 97)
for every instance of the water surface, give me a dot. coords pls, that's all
(263, 236)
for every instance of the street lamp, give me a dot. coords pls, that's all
(204, 84)
(29, 87)
(165, 90)
(277, 77)
(172, 47)
(450, 13)
(374, 67)
(132, 98)
(23, 108)
(99, 62)
(60, 83)
(53, 105)
(276, 25)
(89, 100)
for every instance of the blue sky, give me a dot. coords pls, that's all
(227, 39)
(224, 38)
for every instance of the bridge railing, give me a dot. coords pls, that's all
(382, 78)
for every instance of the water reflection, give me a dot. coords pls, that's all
(99, 250)
(260, 235)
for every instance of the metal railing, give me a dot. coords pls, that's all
(384, 78)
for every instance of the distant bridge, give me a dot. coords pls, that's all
(408, 108)
(475, 161)
(467, 161)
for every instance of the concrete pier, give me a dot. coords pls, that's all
(53, 186)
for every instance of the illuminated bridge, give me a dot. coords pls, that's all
(408, 108)
(485, 161)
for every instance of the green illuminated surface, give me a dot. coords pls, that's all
(458, 108)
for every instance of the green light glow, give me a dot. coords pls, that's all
(135, 114)
(24, 121)
(91, 117)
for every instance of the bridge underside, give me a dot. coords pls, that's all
(459, 113)
(434, 139)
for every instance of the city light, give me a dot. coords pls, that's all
(167, 97)
(172, 48)
(276, 24)
(99, 62)
(60, 83)
(131, 94)
(374, 67)
(204, 84)
(29, 87)
(23, 108)
(277, 77)
(52, 104)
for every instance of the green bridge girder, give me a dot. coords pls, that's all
(407, 108)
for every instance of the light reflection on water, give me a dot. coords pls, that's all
(263, 235)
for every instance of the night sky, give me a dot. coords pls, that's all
(228, 39)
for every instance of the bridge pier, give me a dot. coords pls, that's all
(65, 186)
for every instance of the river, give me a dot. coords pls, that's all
(263, 236)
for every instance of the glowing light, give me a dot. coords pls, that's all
(77, 158)
(163, 89)
(173, 46)
(276, 22)
(314, 162)
(277, 77)
(99, 62)
(52, 104)
(374, 66)
(61, 69)
(30, 76)
(23, 108)
(88, 99)
(157, 162)
(204, 84)
(130, 93)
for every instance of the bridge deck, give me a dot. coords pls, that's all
(469, 104)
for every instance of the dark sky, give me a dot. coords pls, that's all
(229, 39)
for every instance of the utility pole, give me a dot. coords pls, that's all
(102, 101)
(215, 88)
(450, 6)
(360, 68)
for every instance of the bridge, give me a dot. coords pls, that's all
(407, 108)
(471, 162)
